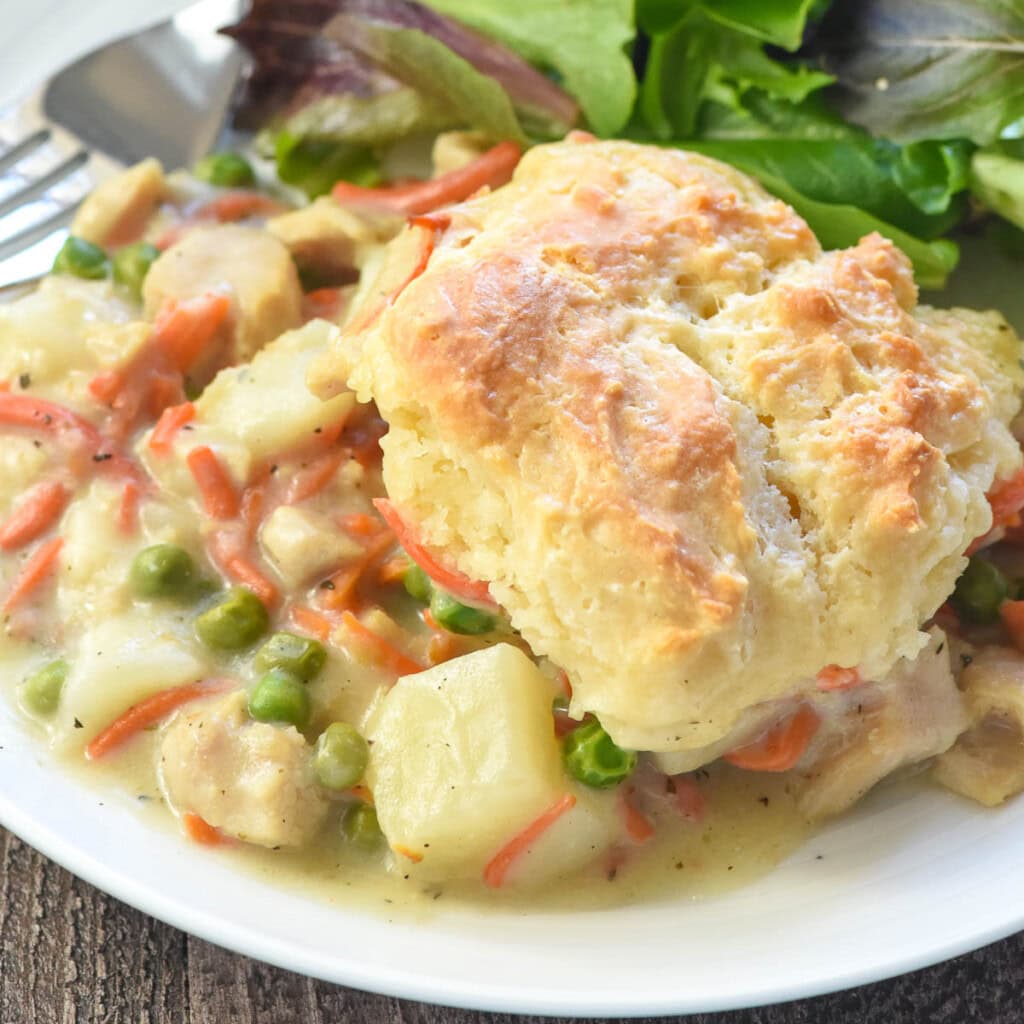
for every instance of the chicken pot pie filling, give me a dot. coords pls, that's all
(597, 522)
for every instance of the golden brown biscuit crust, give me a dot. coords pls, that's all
(696, 458)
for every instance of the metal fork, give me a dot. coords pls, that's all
(163, 92)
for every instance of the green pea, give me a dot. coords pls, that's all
(81, 259)
(591, 756)
(340, 756)
(457, 617)
(417, 583)
(299, 655)
(234, 623)
(360, 826)
(280, 697)
(40, 692)
(228, 170)
(980, 591)
(131, 264)
(164, 570)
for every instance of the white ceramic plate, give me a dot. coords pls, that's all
(910, 878)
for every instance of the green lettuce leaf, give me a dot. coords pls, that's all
(584, 41)
(698, 59)
(921, 69)
(920, 192)
(841, 224)
(997, 181)
(314, 165)
(779, 22)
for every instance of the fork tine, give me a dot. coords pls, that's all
(9, 157)
(38, 186)
(9, 247)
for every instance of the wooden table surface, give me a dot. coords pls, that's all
(69, 954)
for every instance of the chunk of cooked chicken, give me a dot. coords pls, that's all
(987, 762)
(119, 208)
(329, 239)
(915, 713)
(251, 780)
(256, 269)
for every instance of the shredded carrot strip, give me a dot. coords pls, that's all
(183, 329)
(437, 221)
(428, 240)
(35, 514)
(237, 204)
(220, 498)
(412, 855)
(1007, 499)
(314, 478)
(172, 419)
(442, 647)
(1012, 614)
(201, 831)
(359, 524)
(308, 620)
(251, 512)
(344, 583)
(833, 678)
(638, 828)
(323, 304)
(31, 413)
(33, 573)
(393, 570)
(492, 169)
(501, 863)
(105, 387)
(689, 799)
(243, 570)
(383, 651)
(363, 792)
(781, 747)
(128, 510)
(456, 583)
(148, 712)
(341, 594)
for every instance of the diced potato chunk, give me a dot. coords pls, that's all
(301, 545)
(53, 330)
(464, 757)
(21, 463)
(266, 405)
(254, 413)
(118, 209)
(252, 780)
(95, 558)
(118, 662)
(252, 265)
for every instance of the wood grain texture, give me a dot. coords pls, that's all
(69, 954)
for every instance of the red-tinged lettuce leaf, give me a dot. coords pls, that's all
(433, 70)
(299, 65)
(925, 69)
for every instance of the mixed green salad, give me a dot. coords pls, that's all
(901, 116)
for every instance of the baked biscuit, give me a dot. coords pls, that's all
(696, 458)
